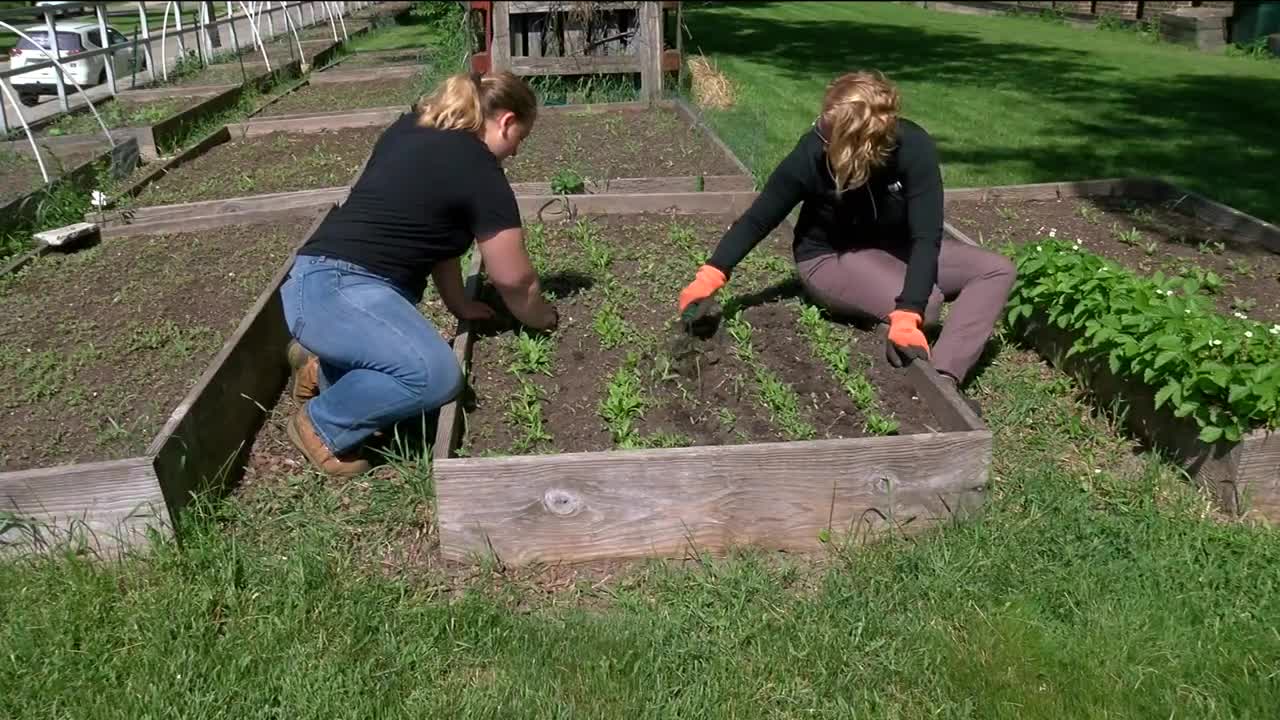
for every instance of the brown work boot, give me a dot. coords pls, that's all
(304, 437)
(306, 373)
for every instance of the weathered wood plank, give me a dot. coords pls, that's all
(382, 72)
(1242, 225)
(611, 107)
(102, 506)
(944, 401)
(544, 207)
(317, 122)
(229, 207)
(448, 424)
(162, 93)
(649, 51)
(1257, 480)
(203, 445)
(678, 502)
(674, 184)
(164, 226)
(500, 49)
(519, 6)
(576, 65)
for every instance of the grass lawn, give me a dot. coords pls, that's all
(1097, 585)
(1010, 100)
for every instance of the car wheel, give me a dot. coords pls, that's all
(29, 99)
(102, 76)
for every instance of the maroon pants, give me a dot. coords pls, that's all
(864, 282)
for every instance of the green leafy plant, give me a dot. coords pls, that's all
(524, 410)
(1088, 213)
(587, 235)
(610, 326)
(773, 392)
(623, 404)
(1221, 372)
(1128, 237)
(567, 181)
(532, 354)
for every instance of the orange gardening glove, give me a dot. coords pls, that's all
(906, 342)
(704, 285)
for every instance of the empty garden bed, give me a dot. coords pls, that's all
(98, 347)
(325, 97)
(117, 114)
(591, 146)
(20, 172)
(1144, 235)
(382, 58)
(588, 434)
(271, 163)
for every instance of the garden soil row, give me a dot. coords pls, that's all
(97, 347)
(1145, 237)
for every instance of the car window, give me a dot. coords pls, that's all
(66, 41)
(94, 38)
(116, 37)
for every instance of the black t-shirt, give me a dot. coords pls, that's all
(900, 205)
(424, 196)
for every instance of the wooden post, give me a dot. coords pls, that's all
(650, 50)
(500, 51)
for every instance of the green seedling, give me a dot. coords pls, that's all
(535, 243)
(1007, 213)
(623, 404)
(1212, 247)
(836, 356)
(1088, 213)
(1129, 237)
(1151, 248)
(1243, 268)
(532, 354)
(587, 235)
(775, 394)
(610, 326)
(567, 182)
(1243, 305)
(1142, 215)
(524, 410)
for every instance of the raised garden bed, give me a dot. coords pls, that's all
(262, 164)
(616, 437)
(330, 97)
(134, 374)
(624, 147)
(20, 172)
(1192, 379)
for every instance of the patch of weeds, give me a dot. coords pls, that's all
(1212, 247)
(1007, 214)
(41, 375)
(827, 348)
(587, 235)
(610, 326)
(178, 343)
(1088, 213)
(1240, 267)
(535, 244)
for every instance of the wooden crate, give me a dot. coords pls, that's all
(672, 502)
(1244, 476)
(580, 38)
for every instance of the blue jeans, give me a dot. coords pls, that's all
(381, 360)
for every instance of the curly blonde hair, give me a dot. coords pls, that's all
(860, 110)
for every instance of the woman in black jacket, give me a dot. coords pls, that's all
(868, 241)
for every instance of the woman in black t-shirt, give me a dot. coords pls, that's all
(868, 241)
(364, 356)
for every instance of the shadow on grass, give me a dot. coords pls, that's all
(1213, 132)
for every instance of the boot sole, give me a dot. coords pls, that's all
(295, 437)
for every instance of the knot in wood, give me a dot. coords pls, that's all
(882, 481)
(561, 502)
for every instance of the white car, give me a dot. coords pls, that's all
(74, 37)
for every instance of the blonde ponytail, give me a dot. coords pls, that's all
(464, 101)
(860, 111)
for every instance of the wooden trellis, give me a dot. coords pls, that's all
(567, 37)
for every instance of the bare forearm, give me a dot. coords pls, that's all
(525, 301)
(447, 276)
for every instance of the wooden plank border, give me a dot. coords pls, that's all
(1243, 477)
(203, 446)
(382, 72)
(671, 503)
(315, 122)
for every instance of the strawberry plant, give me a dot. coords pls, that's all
(1222, 372)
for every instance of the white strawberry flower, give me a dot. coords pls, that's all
(1053, 232)
(1239, 315)
(1248, 333)
(1275, 329)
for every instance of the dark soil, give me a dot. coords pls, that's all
(98, 347)
(382, 58)
(617, 144)
(335, 97)
(20, 173)
(1166, 240)
(117, 114)
(713, 400)
(271, 163)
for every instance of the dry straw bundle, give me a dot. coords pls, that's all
(711, 89)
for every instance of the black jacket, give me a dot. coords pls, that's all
(899, 208)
